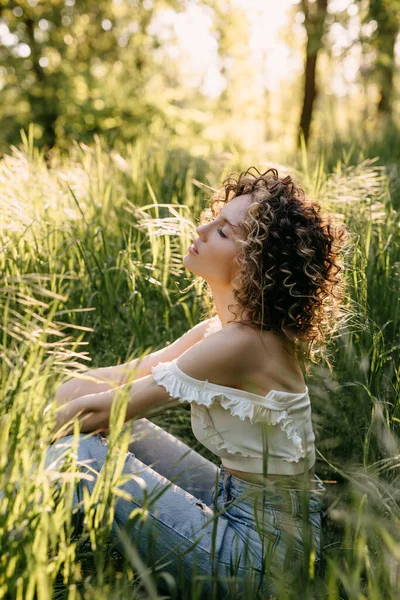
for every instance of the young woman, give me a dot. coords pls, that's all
(271, 262)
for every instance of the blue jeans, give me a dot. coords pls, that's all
(201, 523)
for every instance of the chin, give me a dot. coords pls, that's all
(186, 263)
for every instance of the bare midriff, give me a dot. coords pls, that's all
(292, 481)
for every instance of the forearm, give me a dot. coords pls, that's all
(142, 397)
(96, 381)
(93, 412)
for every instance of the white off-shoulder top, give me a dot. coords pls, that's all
(233, 423)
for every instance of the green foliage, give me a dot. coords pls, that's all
(79, 68)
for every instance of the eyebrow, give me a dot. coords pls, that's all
(229, 223)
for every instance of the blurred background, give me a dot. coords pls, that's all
(256, 72)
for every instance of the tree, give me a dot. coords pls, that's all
(77, 68)
(386, 14)
(315, 14)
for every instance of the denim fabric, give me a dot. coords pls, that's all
(275, 523)
(205, 527)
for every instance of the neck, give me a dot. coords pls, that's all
(223, 297)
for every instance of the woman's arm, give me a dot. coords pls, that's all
(94, 381)
(103, 379)
(93, 411)
(226, 359)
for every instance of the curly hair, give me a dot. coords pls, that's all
(289, 278)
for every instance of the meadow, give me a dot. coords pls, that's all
(92, 242)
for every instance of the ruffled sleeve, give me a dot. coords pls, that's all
(243, 405)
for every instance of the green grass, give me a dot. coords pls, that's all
(91, 275)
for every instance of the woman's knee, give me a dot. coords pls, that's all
(88, 447)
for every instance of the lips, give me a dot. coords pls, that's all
(195, 246)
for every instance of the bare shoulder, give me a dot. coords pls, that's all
(271, 364)
(221, 358)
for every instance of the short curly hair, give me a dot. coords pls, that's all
(290, 276)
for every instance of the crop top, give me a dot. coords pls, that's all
(233, 423)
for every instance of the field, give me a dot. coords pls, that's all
(92, 243)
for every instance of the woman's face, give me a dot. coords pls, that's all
(216, 245)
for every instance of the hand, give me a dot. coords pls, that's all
(92, 411)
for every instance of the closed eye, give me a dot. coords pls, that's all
(221, 233)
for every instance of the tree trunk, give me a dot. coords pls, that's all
(386, 17)
(315, 14)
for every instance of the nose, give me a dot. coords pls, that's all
(199, 229)
(202, 229)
